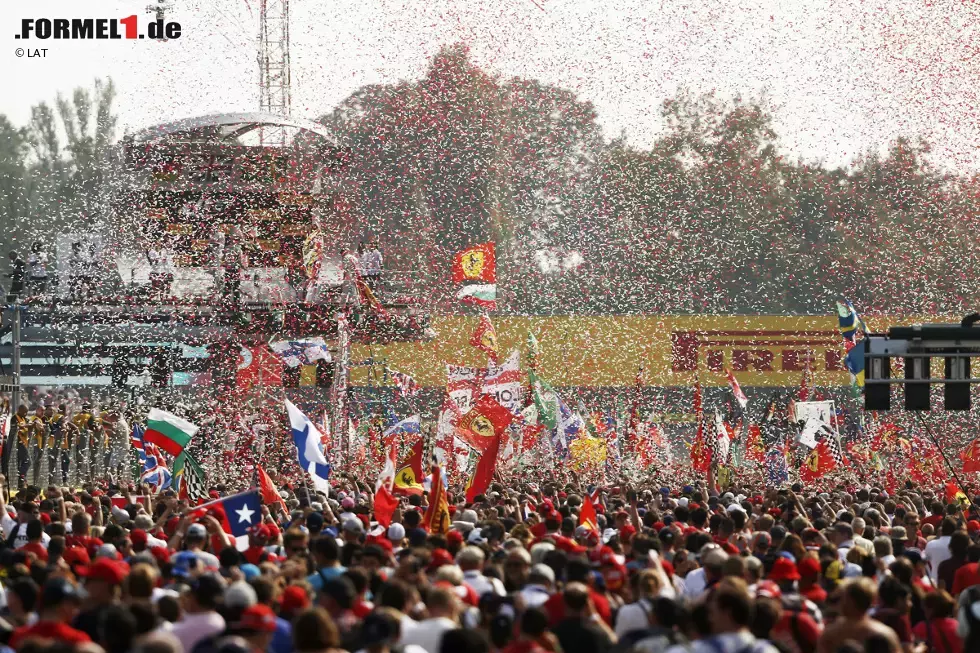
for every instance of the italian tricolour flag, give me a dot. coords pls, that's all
(481, 294)
(167, 431)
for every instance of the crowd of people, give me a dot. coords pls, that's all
(675, 569)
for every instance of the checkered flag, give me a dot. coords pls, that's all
(191, 479)
(833, 445)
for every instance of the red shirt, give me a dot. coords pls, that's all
(941, 635)
(256, 554)
(90, 543)
(935, 520)
(54, 630)
(37, 549)
(815, 593)
(786, 631)
(966, 576)
(554, 607)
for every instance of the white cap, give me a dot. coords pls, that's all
(396, 532)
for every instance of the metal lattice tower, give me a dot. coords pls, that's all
(274, 77)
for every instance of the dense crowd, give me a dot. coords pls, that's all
(671, 569)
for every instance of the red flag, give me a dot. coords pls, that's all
(754, 449)
(700, 451)
(971, 457)
(818, 463)
(384, 501)
(484, 338)
(736, 389)
(480, 480)
(955, 495)
(436, 519)
(258, 366)
(587, 516)
(477, 263)
(485, 421)
(409, 473)
(269, 492)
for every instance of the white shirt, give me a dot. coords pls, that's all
(483, 585)
(194, 628)
(936, 552)
(428, 634)
(371, 262)
(694, 583)
(743, 642)
(535, 595)
(8, 524)
(633, 617)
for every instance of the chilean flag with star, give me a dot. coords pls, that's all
(236, 513)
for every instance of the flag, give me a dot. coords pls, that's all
(405, 385)
(854, 361)
(155, 473)
(754, 450)
(169, 432)
(533, 352)
(486, 421)
(971, 457)
(849, 321)
(818, 462)
(587, 516)
(736, 389)
(236, 514)
(385, 502)
(545, 400)
(480, 294)
(270, 495)
(408, 476)
(723, 447)
(477, 263)
(406, 427)
(833, 445)
(301, 352)
(257, 366)
(437, 518)
(777, 472)
(307, 439)
(136, 438)
(569, 428)
(483, 473)
(955, 495)
(189, 478)
(484, 338)
(700, 451)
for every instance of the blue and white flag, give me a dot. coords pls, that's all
(408, 426)
(308, 447)
(301, 352)
(569, 428)
(776, 471)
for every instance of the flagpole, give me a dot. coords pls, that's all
(935, 441)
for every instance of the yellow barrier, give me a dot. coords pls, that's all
(603, 351)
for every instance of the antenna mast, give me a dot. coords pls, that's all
(274, 77)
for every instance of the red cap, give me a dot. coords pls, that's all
(454, 537)
(808, 567)
(76, 555)
(627, 532)
(105, 569)
(784, 569)
(138, 537)
(768, 589)
(259, 617)
(452, 510)
(439, 558)
(161, 554)
(973, 526)
(45, 518)
(294, 599)
(214, 494)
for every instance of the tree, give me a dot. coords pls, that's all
(13, 152)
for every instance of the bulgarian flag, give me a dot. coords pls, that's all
(481, 294)
(167, 431)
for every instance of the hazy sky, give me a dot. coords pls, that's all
(841, 76)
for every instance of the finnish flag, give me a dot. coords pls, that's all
(307, 439)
